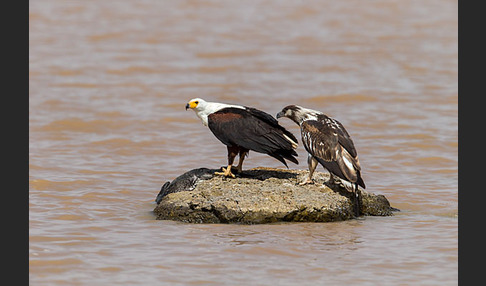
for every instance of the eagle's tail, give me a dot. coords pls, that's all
(283, 154)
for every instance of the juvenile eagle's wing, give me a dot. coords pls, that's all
(328, 141)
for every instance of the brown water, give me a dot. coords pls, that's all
(108, 84)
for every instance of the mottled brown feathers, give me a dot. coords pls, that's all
(328, 141)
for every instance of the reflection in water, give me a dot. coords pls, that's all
(108, 83)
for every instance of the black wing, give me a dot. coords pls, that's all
(271, 120)
(240, 127)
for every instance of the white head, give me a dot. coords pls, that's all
(204, 108)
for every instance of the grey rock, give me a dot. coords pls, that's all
(262, 195)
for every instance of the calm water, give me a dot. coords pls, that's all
(108, 84)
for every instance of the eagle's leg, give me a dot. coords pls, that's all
(312, 163)
(226, 172)
(332, 180)
(243, 154)
(232, 152)
(357, 204)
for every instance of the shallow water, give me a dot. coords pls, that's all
(108, 83)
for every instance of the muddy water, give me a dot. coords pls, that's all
(108, 85)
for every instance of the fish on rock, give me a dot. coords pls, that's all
(185, 182)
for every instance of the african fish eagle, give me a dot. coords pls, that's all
(242, 129)
(329, 144)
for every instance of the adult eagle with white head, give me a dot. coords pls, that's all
(242, 129)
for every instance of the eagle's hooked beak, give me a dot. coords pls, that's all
(192, 104)
(280, 114)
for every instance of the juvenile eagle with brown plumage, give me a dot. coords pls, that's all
(328, 143)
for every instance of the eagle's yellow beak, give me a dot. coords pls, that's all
(191, 104)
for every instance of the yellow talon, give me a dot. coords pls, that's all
(308, 181)
(226, 172)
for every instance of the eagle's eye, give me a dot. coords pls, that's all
(196, 102)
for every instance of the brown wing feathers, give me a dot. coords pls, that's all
(328, 141)
(254, 130)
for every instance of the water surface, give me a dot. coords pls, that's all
(108, 83)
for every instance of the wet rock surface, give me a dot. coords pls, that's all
(261, 195)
